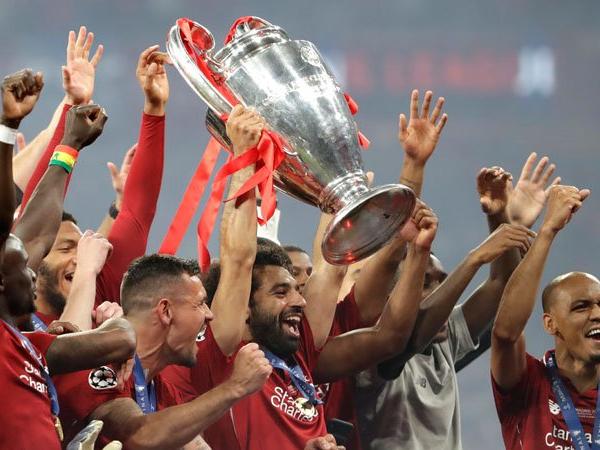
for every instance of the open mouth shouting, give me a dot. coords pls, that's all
(290, 324)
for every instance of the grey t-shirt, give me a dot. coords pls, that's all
(419, 410)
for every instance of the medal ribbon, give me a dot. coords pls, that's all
(54, 408)
(295, 372)
(567, 408)
(145, 393)
(38, 324)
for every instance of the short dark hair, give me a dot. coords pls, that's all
(270, 254)
(66, 217)
(150, 277)
(294, 249)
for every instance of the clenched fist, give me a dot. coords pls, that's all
(250, 370)
(326, 442)
(20, 93)
(83, 125)
(493, 186)
(244, 128)
(92, 251)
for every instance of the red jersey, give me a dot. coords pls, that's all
(530, 416)
(339, 396)
(80, 393)
(26, 418)
(267, 419)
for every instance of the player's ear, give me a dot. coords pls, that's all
(164, 309)
(550, 324)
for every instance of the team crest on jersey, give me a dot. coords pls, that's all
(554, 408)
(102, 378)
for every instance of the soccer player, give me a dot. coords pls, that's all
(549, 403)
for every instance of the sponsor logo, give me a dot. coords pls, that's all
(560, 439)
(296, 407)
(554, 408)
(102, 378)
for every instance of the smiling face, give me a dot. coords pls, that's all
(572, 315)
(55, 273)
(276, 310)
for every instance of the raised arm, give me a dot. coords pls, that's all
(111, 343)
(238, 239)
(129, 233)
(508, 360)
(78, 83)
(174, 427)
(20, 92)
(92, 251)
(418, 137)
(41, 218)
(321, 290)
(352, 352)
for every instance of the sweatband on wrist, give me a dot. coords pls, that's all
(8, 135)
(65, 157)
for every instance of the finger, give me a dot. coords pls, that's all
(128, 158)
(370, 177)
(537, 173)
(555, 182)
(414, 105)
(114, 172)
(88, 45)
(66, 76)
(528, 166)
(39, 81)
(547, 174)
(21, 143)
(97, 56)
(402, 124)
(437, 110)
(442, 123)
(71, 46)
(80, 41)
(426, 103)
(584, 194)
(143, 59)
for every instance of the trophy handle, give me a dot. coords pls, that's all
(245, 24)
(190, 47)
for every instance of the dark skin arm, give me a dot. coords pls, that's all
(20, 92)
(352, 352)
(419, 137)
(41, 219)
(111, 343)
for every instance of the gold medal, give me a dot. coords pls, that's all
(58, 428)
(307, 408)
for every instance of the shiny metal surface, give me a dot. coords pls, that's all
(288, 83)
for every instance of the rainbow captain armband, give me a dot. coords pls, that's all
(65, 157)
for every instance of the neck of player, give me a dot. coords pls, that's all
(149, 348)
(584, 375)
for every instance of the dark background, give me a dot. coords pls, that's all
(518, 76)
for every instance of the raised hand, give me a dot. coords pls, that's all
(421, 133)
(153, 80)
(527, 199)
(426, 223)
(80, 72)
(119, 176)
(250, 370)
(20, 92)
(83, 125)
(493, 186)
(92, 251)
(244, 128)
(505, 237)
(563, 202)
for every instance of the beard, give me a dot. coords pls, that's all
(267, 331)
(49, 288)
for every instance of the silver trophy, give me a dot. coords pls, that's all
(287, 82)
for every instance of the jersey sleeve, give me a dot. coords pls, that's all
(129, 233)
(41, 340)
(459, 336)
(510, 402)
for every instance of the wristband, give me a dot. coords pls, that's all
(65, 157)
(113, 211)
(8, 135)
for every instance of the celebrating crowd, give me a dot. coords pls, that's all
(105, 343)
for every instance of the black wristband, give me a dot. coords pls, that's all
(113, 211)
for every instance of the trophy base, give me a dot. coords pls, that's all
(364, 226)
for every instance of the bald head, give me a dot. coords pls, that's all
(568, 287)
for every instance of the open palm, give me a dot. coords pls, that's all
(80, 72)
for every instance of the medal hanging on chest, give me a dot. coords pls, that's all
(569, 412)
(145, 393)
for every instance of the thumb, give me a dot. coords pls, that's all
(21, 143)
(66, 75)
(113, 170)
